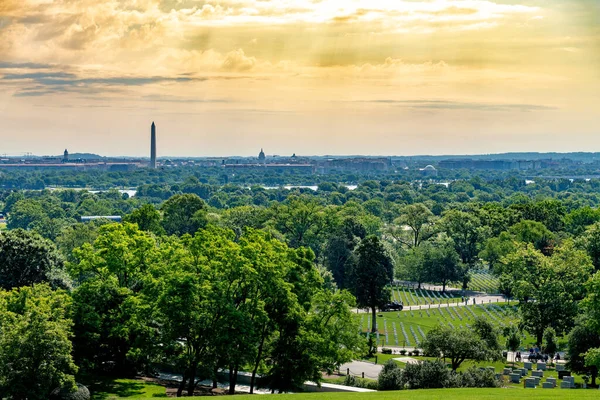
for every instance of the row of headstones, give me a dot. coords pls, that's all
(568, 382)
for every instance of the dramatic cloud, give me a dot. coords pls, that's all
(250, 67)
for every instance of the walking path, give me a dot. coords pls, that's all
(480, 298)
(357, 368)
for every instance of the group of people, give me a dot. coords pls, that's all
(536, 355)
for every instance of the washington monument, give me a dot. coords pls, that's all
(153, 146)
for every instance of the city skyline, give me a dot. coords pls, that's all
(298, 76)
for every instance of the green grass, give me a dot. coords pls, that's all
(481, 282)
(421, 297)
(106, 388)
(417, 323)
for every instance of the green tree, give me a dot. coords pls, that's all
(109, 325)
(338, 249)
(581, 339)
(590, 241)
(548, 288)
(24, 213)
(467, 233)
(549, 338)
(457, 345)
(26, 258)
(496, 248)
(442, 263)
(513, 339)
(183, 213)
(371, 272)
(35, 350)
(147, 218)
(420, 222)
(535, 233)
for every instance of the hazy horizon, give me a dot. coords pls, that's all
(439, 77)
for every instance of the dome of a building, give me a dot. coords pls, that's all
(429, 168)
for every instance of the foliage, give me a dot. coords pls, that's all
(371, 272)
(35, 350)
(457, 344)
(182, 213)
(81, 393)
(581, 339)
(26, 259)
(390, 377)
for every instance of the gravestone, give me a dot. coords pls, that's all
(524, 372)
(507, 371)
(541, 366)
(537, 380)
(515, 378)
(568, 382)
(537, 373)
(547, 385)
(560, 367)
(563, 374)
(552, 381)
(530, 383)
(527, 365)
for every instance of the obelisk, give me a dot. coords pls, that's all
(153, 146)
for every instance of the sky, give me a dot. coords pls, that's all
(311, 77)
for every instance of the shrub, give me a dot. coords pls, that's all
(479, 378)
(390, 377)
(410, 353)
(416, 352)
(350, 380)
(82, 393)
(403, 352)
(426, 375)
(386, 351)
(370, 384)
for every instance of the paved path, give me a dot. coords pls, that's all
(357, 368)
(407, 360)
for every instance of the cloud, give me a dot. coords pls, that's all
(238, 61)
(459, 105)
(24, 65)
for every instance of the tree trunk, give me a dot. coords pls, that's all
(374, 322)
(182, 384)
(192, 382)
(594, 374)
(258, 357)
(233, 380)
(443, 286)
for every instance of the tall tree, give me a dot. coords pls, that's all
(442, 263)
(26, 258)
(184, 213)
(420, 222)
(548, 288)
(371, 272)
(147, 218)
(35, 350)
(339, 247)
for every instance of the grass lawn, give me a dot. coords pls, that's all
(106, 388)
(446, 394)
(417, 323)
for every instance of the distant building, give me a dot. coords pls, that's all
(153, 146)
(114, 218)
(66, 156)
(261, 157)
(501, 165)
(361, 164)
(429, 171)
